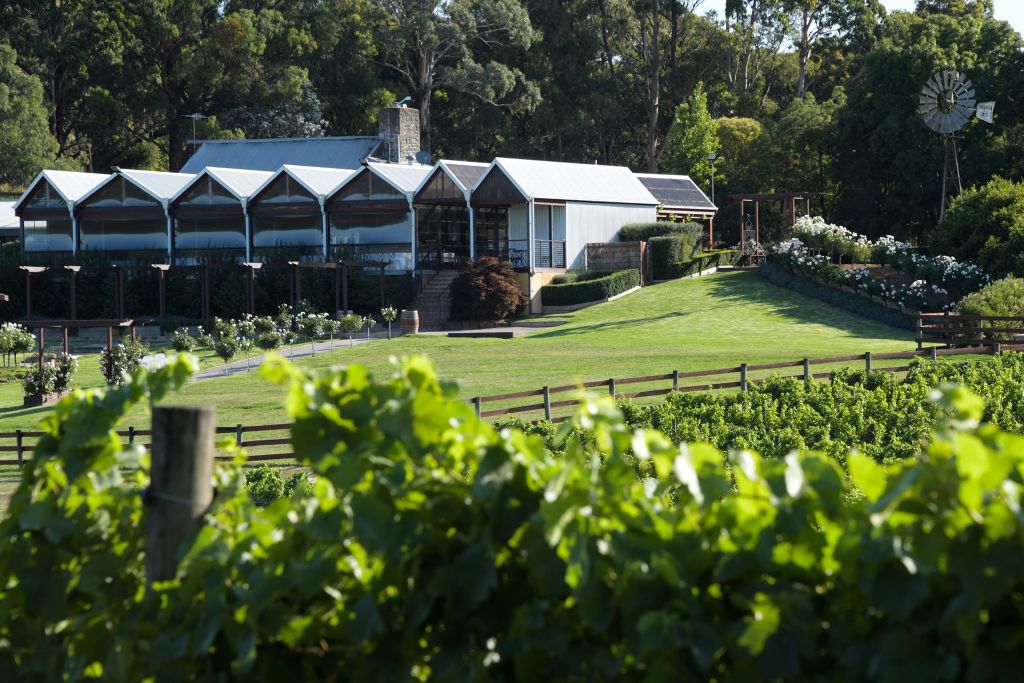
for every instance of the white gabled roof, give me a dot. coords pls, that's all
(574, 182)
(404, 177)
(70, 185)
(160, 184)
(319, 181)
(8, 219)
(242, 183)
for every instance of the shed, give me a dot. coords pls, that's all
(272, 154)
(211, 212)
(444, 218)
(47, 209)
(289, 209)
(370, 214)
(546, 211)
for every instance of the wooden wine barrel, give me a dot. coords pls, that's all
(409, 322)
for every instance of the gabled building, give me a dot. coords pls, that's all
(47, 209)
(370, 215)
(444, 216)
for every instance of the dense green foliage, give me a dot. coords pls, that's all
(642, 232)
(692, 137)
(1002, 297)
(118, 363)
(433, 548)
(705, 260)
(986, 224)
(25, 139)
(486, 289)
(591, 289)
(668, 250)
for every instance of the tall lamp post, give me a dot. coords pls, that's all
(712, 158)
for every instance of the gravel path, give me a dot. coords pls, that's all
(299, 351)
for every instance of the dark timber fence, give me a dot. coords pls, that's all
(955, 330)
(545, 401)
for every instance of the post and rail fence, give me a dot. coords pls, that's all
(545, 401)
(963, 330)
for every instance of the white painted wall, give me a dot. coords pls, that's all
(598, 223)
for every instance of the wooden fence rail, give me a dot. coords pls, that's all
(543, 403)
(545, 400)
(960, 330)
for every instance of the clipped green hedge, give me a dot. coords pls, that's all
(708, 259)
(642, 232)
(590, 290)
(668, 250)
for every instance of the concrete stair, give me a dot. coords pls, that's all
(433, 301)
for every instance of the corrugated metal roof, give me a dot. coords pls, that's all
(239, 182)
(270, 155)
(319, 181)
(466, 173)
(7, 217)
(160, 184)
(71, 185)
(676, 191)
(575, 182)
(404, 177)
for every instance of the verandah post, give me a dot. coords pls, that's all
(181, 487)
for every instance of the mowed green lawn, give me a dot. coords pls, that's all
(716, 321)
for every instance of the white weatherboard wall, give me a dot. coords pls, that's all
(598, 223)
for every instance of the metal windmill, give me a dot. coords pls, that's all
(946, 105)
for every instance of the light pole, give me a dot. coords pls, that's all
(712, 158)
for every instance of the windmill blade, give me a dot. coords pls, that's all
(968, 94)
(986, 111)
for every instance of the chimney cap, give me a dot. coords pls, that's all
(403, 102)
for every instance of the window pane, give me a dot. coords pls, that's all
(136, 234)
(269, 230)
(379, 227)
(213, 232)
(51, 235)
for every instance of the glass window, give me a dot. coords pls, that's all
(368, 186)
(274, 230)
(45, 197)
(208, 192)
(49, 235)
(285, 190)
(119, 192)
(209, 232)
(113, 234)
(377, 227)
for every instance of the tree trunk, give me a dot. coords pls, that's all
(803, 53)
(424, 91)
(653, 89)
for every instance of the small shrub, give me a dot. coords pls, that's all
(1002, 297)
(226, 348)
(298, 484)
(183, 341)
(268, 341)
(118, 363)
(486, 289)
(350, 324)
(582, 291)
(265, 484)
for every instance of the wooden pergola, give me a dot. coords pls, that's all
(340, 268)
(64, 325)
(787, 200)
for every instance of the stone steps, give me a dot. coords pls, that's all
(432, 302)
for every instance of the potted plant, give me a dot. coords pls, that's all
(44, 385)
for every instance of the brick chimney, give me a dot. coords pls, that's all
(399, 128)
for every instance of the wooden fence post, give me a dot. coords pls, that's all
(476, 405)
(867, 362)
(239, 430)
(547, 404)
(131, 435)
(997, 349)
(920, 335)
(807, 369)
(743, 377)
(181, 487)
(611, 387)
(675, 380)
(935, 353)
(21, 449)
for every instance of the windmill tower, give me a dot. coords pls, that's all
(946, 105)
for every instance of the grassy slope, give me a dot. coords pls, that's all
(716, 321)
